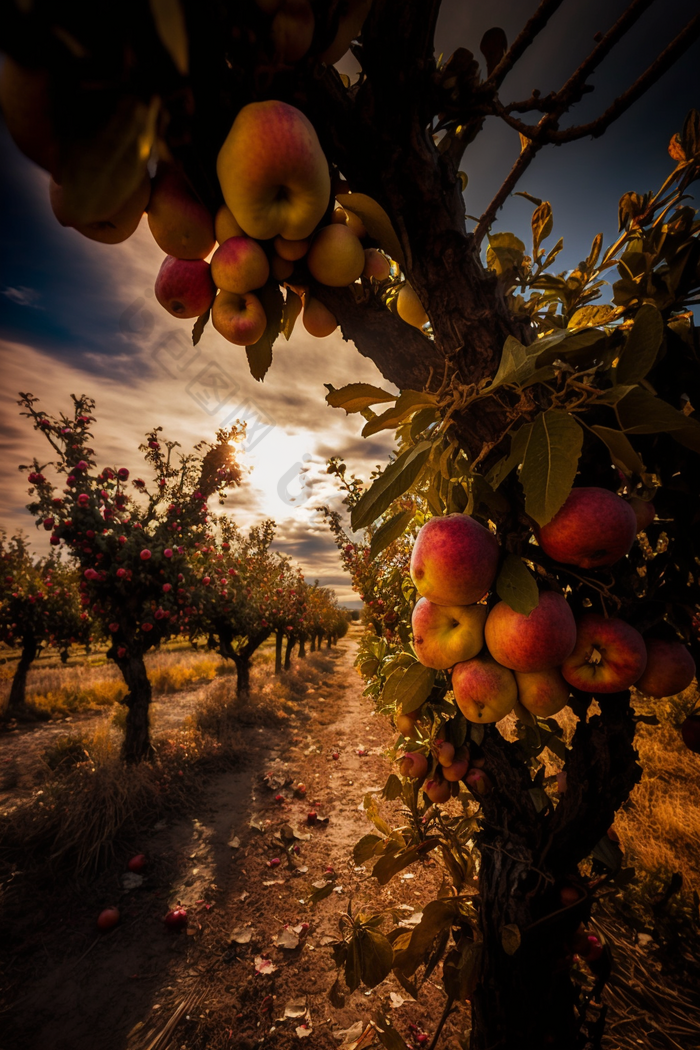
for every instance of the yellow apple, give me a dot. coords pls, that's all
(225, 225)
(273, 173)
(239, 318)
(336, 258)
(318, 320)
(444, 635)
(179, 222)
(376, 265)
(291, 250)
(239, 265)
(542, 693)
(409, 307)
(348, 218)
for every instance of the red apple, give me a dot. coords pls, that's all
(594, 527)
(437, 790)
(137, 863)
(478, 781)
(239, 265)
(670, 669)
(609, 655)
(485, 691)
(184, 286)
(690, 731)
(445, 752)
(413, 764)
(443, 635)
(176, 918)
(644, 512)
(542, 693)
(454, 560)
(458, 767)
(536, 642)
(108, 918)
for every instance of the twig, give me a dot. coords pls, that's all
(441, 1023)
(531, 29)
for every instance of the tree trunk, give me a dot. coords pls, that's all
(329, 642)
(242, 663)
(312, 645)
(279, 639)
(16, 706)
(302, 648)
(137, 741)
(288, 651)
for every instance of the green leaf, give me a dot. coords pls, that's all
(169, 20)
(505, 252)
(517, 363)
(376, 222)
(393, 788)
(366, 848)
(387, 1035)
(389, 531)
(391, 863)
(98, 174)
(639, 412)
(621, 451)
(542, 224)
(516, 585)
(290, 313)
(408, 402)
(199, 326)
(396, 479)
(461, 969)
(321, 893)
(414, 687)
(642, 345)
(510, 938)
(372, 810)
(260, 354)
(357, 396)
(550, 463)
(592, 316)
(437, 916)
(518, 443)
(376, 956)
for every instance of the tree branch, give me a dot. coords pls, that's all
(532, 28)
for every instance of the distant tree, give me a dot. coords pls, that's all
(130, 549)
(39, 608)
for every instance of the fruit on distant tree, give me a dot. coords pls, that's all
(443, 635)
(108, 918)
(26, 101)
(317, 318)
(690, 732)
(179, 222)
(409, 307)
(225, 225)
(184, 286)
(454, 560)
(239, 265)
(458, 767)
(273, 173)
(239, 318)
(290, 250)
(536, 642)
(609, 656)
(336, 258)
(292, 29)
(349, 27)
(670, 669)
(437, 790)
(542, 693)
(413, 764)
(644, 512)
(376, 265)
(594, 528)
(484, 690)
(406, 723)
(444, 751)
(112, 229)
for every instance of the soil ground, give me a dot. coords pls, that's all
(143, 986)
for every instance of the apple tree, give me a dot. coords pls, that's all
(129, 538)
(39, 608)
(519, 388)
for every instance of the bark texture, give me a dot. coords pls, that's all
(137, 745)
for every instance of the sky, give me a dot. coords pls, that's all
(80, 317)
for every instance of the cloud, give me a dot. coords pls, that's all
(23, 296)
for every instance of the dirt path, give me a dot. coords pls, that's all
(144, 987)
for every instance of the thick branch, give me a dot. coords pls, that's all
(532, 28)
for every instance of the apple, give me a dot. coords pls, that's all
(225, 225)
(112, 228)
(444, 751)
(239, 318)
(281, 269)
(137, 863)
(409, 307)
(317, 319)
(273, 173)
(179, 222)
(184, 286)
(454, 560)
(348, 218)
(670, 669)
(438, 790)
(349, 27)
(443, 635)
(108, 918)
(26, 100)
(478, 782)
(376, 265)
(542, 693)
(594, 528)
(336, 258)
(239, 265)
(609, 656)
(176, 918)
(690, 732)
(406, 723)
(413, 764)
(292, 251)
(457, 769)
(292, 30)
(485, 691)
(644, 512)
(536, 642)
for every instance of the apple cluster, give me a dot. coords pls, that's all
(499, 658)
